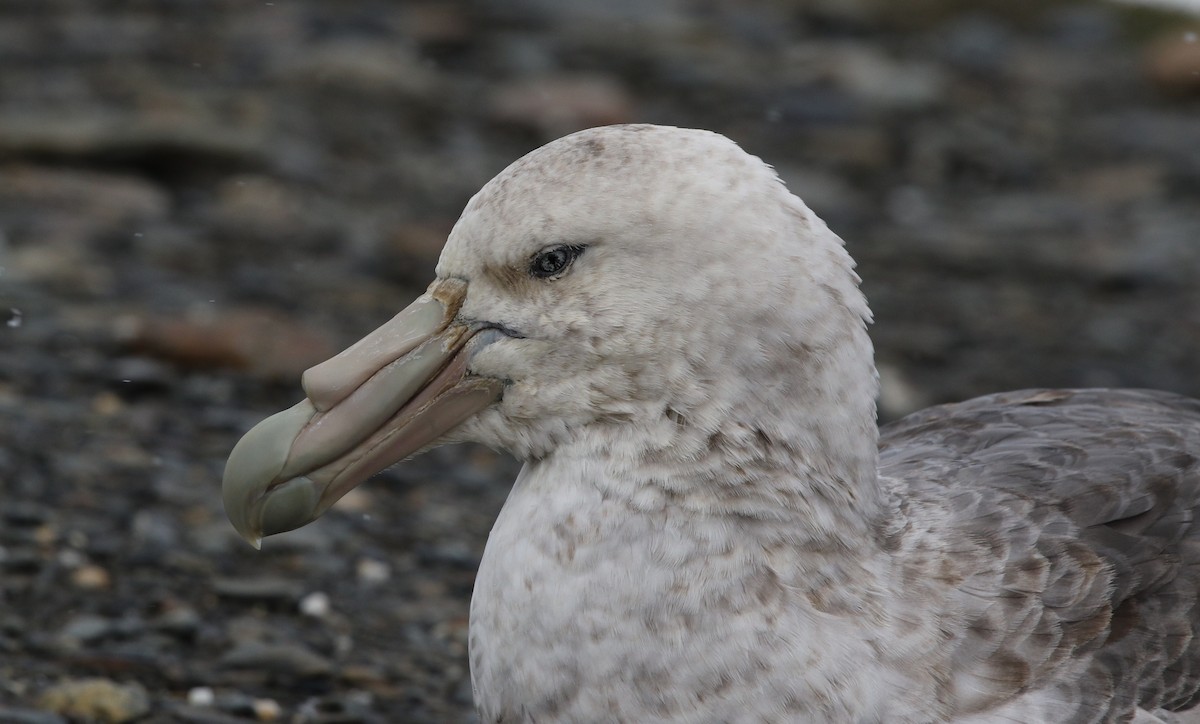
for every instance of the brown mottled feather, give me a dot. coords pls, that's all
(1080, 563)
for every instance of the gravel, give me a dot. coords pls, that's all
(200, 200)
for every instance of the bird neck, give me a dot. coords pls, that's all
(792, 444)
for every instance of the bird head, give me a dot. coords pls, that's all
(628, 287)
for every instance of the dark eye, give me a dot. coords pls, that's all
(553, 261)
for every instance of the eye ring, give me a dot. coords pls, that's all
(553, 261)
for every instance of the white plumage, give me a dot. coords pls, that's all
(709, 526)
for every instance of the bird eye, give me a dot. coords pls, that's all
(551, 262)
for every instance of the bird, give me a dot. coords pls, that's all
(710, 525)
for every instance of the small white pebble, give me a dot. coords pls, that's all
(201, 696)
(315, 604)
(1190, 37)
(373, 571)
(267, 709)
(70, 558)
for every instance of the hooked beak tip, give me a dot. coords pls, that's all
(289, 506)
(244, 530)
(255, 462)
(241, 519)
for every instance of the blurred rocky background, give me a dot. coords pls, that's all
(201, 198)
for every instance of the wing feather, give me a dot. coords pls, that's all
(1070, 540)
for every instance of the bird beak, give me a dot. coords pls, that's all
(391, 394)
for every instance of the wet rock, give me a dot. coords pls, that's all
(1120, 183)
(1147, 134)
(55, 219)
(63, 269)
(868, 75)
(131, 376)
(85, 628)
(14, 715)
(1083, 27)
(852, 147)
(194, 714)
(101, 700)
(977, 44)
(264, 210)
(453, 553)
(20, 560)
(350, 708)
(178, 620)
(206, 706)
(47, 205)
(464, 693)
(262, 589)
(1154, 251)
(154, 530)
(376, 69)
(24, 513)
(216, 537)
(293, 660)
(95, 133)
(246, 706)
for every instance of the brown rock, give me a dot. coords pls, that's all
(860, 147)
(411, 251)
(99, 700)
(92, 133)
(437, 23)
(559, 104)
(48, 205)
(91, 577)
(255, 204)
(1119, 183)
(267, 343)
(1172, 62)
(248, 198)
(376, 68)
(64, 267)
(52, 216)
(110, 198)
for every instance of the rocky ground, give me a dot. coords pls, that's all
(198, 200)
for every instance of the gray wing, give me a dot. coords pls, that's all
(1068, 543)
